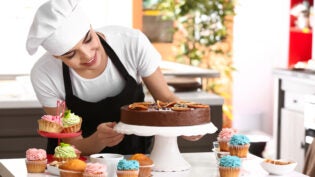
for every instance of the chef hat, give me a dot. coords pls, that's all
(58, 26)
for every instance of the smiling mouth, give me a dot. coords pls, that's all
(91, 61)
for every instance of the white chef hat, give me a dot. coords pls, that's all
(58, 26)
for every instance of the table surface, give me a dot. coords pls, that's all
(203, 164)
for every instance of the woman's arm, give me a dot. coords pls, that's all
(158, 87)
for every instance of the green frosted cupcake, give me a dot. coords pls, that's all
(65, 152)
(71, 122)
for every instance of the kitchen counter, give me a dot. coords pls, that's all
(292, 87)
(203, 164)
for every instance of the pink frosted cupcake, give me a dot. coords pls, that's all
(95, 170)
(224, 137)
(36, 160)
(50, 123)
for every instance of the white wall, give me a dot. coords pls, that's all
(16, 17)
(261, 30)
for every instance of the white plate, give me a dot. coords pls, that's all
(53, 170)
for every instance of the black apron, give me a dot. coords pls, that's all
(106, 110)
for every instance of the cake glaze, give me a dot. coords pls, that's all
(151, 114)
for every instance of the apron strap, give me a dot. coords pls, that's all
(114, 58)
(67, 80)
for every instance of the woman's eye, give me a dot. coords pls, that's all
(70, 56)
(88, 39)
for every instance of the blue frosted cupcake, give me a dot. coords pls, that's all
(230, 166)
(128, 168)
(239, 145)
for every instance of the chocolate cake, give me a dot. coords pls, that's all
(165, 114)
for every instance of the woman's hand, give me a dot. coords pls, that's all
(192, 138)
(107, 136)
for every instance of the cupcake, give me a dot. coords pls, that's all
(50, 123)
(239, 145)
(71, 122)
(36, 160)
(95, 170)
(145, 163)
(128, 168)
(72, 168)
(65, 152)
(224, 137)
(230, 166)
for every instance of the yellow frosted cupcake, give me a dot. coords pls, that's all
(230, 166)
(71, 122)
(128, 168)
(36, 160)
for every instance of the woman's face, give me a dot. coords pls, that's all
(87, 55)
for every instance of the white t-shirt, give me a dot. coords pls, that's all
(134, 50)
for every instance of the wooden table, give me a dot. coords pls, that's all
(203, 165)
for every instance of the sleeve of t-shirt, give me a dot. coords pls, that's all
(148, 57)
(43, 86)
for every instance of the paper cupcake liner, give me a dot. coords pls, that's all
(229, 171)
(68, 173)
(36, 166)
(127, 173)
(74, 128)
(60, 159)
(94, 175)
(223, 145)
(48, 126)
(239, 150)
(145, 170)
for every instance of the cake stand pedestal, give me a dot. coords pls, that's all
(165, 153)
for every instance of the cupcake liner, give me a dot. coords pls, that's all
(239, 150)
(94, 175)
(229, 171)
(68, 173)
(223, 145)
(61, 159)
(36, 166)
(74, 128)
(47, 126)
(127, 173)
(145, 170)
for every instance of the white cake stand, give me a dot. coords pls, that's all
(165, 152)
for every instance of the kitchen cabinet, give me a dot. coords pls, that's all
(18, 131)
(292, 137)
(290, 90)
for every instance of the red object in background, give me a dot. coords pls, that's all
(300, 42)
(300, 46)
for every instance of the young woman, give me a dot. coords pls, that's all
(95, 72)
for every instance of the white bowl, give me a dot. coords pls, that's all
(109, 159)
(277, 169)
